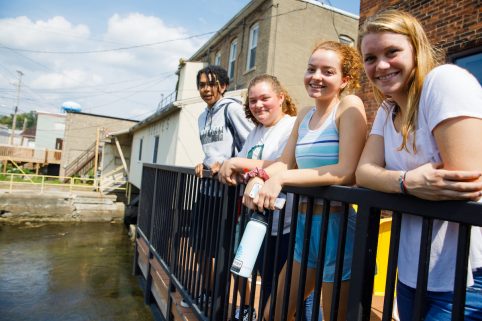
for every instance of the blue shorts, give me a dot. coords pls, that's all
(331, 243)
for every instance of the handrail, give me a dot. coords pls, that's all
(80, 161)
(43, 182)
(167, 213)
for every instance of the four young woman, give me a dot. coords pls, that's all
(425, 141)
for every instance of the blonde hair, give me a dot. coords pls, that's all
(426, 58)
(288, 107)
(351, 63)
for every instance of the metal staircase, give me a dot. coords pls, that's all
(83, 163)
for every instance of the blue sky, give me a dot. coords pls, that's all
(122, 83)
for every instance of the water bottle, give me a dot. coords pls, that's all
(249, 246)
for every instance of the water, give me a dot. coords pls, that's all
(68, 272)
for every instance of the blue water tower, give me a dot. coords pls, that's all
(71, 106)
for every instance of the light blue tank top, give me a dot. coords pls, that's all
(318, 147)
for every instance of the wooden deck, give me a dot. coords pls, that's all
(22, 154)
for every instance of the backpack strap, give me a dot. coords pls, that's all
(237, 144)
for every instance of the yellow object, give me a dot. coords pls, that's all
(382, 256)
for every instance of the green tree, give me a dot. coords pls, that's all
(31, 117)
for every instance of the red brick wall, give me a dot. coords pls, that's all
(452, 25)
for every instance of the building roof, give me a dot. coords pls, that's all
(39, 112)
(101, 116)
(159, 114)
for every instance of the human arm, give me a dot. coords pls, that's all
(450, 109)
(234, 167)
(351, 121)
(429, 181)
(459, 176)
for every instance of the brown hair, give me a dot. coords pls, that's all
(351, 63)
(288, 107)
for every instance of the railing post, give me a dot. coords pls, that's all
(222, 264)
(147, 291)
(42, 184)
(363, 263)
(179, 192)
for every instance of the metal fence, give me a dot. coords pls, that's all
(186, 221)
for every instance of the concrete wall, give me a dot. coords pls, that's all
(50, 127)
(60, 207)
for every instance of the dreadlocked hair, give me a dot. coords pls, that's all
(215, 73)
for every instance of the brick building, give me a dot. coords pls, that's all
(452, 25)
(81, 132)
(276, 37)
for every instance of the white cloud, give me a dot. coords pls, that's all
(66, 79)
(55, 33)
(122, 83)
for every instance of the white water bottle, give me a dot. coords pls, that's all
(249, 246)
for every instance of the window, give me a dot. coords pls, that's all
(232, 58)
(347, 40)
(472, 63)
(140, 148)
(156, 148)
(253, 43)
(217, 59)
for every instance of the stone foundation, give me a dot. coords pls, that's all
(60, 206)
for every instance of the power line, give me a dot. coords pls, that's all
(106, 50)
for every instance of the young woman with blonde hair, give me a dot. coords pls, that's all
(425, 142)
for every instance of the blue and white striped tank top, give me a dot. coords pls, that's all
(318, 147)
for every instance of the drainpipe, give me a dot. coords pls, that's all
(275, 40)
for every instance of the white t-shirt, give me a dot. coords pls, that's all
(268, 143)
(448, 92)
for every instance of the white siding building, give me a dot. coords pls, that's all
(50, 130)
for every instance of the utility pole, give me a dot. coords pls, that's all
(14, 120)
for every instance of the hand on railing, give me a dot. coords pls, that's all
(228, 173)
(259, 195)
(200, 170)
(431, 182)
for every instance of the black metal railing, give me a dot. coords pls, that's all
(190, 227)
